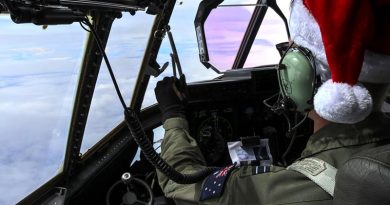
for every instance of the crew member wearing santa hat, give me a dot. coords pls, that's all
(350, 44)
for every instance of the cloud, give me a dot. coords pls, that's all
(36, 50)
(59, 59)
(39, 71)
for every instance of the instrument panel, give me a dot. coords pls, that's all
(227, 109)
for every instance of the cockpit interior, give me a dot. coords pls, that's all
(226, 51)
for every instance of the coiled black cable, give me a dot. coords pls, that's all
(154, 158)
(139, 135)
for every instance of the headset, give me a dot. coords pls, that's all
(298, 83)
(297, 78)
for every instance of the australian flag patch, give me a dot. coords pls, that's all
(214, 183)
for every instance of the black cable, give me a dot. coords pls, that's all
(300, 123)
(265, 102)
(292, 130)
(82, 26)
(140, 137)
(154, 158)
(157, 147)
(293, 137)
(100, 46)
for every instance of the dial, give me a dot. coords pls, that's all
(213, 133)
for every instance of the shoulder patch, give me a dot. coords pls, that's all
(214, 183)
(317, 170)
(312, 166)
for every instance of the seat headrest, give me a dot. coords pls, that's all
(365, 178)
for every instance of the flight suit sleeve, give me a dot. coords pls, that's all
(245, 185)
(180, 151)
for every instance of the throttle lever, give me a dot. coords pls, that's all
(180, 86)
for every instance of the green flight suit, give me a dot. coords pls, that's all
(334, 143)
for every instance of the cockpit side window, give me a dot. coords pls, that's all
(243, 34)
(272, 31)
(39, 71)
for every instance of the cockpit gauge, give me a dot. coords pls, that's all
(213, 133)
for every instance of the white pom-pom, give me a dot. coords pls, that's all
(342, 103)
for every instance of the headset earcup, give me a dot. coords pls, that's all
(297, 79)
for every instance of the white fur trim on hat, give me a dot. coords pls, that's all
(305, 31)
(342, 103)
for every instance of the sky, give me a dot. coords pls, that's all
(39, 71)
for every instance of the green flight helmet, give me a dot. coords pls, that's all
(297, 79)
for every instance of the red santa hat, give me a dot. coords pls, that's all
(350, 41)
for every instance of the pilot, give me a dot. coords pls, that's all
(350, 44)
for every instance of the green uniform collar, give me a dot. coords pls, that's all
(374, 128)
